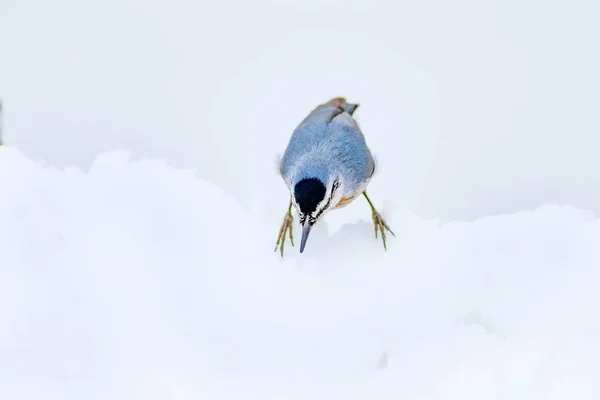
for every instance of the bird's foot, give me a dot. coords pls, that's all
(285, 227)
(381, 226)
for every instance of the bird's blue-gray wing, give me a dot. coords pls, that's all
(330, 134)
(308, 135)
(350, 150)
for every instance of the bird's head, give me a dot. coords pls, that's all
(313, 198)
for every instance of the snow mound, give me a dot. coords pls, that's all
(136, 280)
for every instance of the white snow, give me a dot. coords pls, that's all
(137, 280)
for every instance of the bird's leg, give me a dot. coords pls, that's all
(285, 226)
(379, 222)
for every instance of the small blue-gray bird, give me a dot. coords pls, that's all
(326, 165)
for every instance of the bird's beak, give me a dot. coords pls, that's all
(305, 231)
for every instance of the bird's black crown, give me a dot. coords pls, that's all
(308, 193)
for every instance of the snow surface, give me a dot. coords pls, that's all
(137, 280)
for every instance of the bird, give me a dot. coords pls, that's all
(326, 166)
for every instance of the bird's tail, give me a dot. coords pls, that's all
(341, 102)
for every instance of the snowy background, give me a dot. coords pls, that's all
(473, 107)
(139, 281)
(140, 204)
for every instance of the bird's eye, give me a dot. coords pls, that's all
(336, 185)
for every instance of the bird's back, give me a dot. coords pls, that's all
(329, 139)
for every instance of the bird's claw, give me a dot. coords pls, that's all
(285, 227)
(380, 225)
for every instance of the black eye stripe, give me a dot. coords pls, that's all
(336, 184)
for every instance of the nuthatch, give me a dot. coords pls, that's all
(326, 165)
